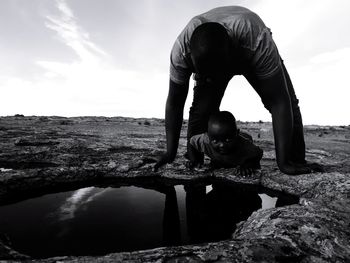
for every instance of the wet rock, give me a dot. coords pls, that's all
(41, 153)
(313, 229)
(7, 253)
(34, 142)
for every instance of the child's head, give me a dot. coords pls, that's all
(222, 131)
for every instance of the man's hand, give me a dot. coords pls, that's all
(173, 121)
(192, 165)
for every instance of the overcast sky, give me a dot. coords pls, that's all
(111, 57)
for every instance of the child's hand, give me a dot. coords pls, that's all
(192, 165)
(196, 158)
(214, 165)
(245, 171)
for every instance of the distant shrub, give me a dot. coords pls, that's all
(65, 122)
(43, 118)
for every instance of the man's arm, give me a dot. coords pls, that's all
(274, 94)
(173, 120)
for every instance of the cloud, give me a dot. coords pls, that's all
(77, 201)
(75, 37)
(311, 40)
(115, 62)
(322, 87)
(291, 20)
(67, 211)
(72, 34)
(334, 56)
(87, 85)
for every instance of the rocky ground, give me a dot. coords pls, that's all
(44, 154)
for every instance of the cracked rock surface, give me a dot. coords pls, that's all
(39, 154)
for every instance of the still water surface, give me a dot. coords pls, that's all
(97, 221)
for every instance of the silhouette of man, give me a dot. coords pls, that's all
(213, 216)
(215, 46)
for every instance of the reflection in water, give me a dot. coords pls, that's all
(213, 216)
(171, 219)
(61, 218)
(267, 201)
(95, 221)
(74, 202)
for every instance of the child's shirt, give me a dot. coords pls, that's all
(245, 152)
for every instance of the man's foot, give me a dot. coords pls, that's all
(314, 167)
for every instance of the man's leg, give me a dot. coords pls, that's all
(207, 96)
(298, 143)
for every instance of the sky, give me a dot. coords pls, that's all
(111, 57)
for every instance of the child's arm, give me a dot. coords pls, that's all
(195, 156)
(245, 136)
(195, 149)
(252, 162)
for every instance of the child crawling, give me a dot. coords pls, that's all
(225, 145)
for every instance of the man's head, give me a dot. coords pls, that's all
(222, 131)
(210, 49)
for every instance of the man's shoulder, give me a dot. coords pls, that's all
(183, 39)
(219, 15)
(227, 10)
(181, 66)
